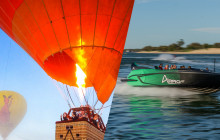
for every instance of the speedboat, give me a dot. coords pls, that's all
(197, 80)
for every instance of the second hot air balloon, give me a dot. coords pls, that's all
(13, 107)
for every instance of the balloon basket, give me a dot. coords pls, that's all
(81, 129)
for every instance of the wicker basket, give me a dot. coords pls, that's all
(78, 130)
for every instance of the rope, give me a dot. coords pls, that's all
(84, 97)
(77, 97)
(61, 85)
(103, 107)
(88, 94)
(93, 97)
(100, 108)
(95, 103)
(61, 93)
(70, 95)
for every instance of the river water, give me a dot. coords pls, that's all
(164, 113)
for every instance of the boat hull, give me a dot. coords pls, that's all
(195, 80)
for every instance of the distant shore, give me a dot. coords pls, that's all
(201, 51)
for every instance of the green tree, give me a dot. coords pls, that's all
(173, 47)
(216, 45)
(180, 43)
(163, 48)
(195, 46)
(148, 48)
(206, 46)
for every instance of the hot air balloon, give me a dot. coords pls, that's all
(78, 43)
(13, 107)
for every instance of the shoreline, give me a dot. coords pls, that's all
(201, 51)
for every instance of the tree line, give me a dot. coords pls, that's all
(178, 46)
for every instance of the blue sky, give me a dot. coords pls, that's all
(162, 22)
(20, 73)
(154, 22)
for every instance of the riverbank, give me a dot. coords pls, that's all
(201, 51)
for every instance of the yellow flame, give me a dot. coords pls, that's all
(81, 42)
(80, 81)
(80, 77)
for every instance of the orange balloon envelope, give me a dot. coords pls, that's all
(58, 34)
(12, 110)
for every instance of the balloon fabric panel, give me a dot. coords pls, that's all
(60, 34)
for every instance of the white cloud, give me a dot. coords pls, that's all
(208, 30)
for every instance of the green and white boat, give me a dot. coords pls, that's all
(191, 79)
